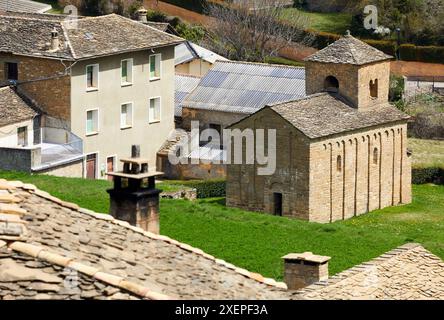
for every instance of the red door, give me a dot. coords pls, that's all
(91, 166)
(110, 166)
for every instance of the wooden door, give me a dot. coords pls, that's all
(110, 162)
(91, 166)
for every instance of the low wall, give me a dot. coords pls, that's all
(19, 159)
(201, 171)
(69, 170)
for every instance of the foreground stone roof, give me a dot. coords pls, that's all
(349, 50)
(326, 114)
(24, 6)
(407, 272)
(12, 108)
(109, 252)
(28, 34)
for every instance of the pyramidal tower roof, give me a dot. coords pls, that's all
(349, 50)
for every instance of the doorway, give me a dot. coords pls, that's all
(22, 136)
(91, 166)
(110, 166)
(277, 201)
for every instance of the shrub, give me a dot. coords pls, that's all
(428, 175)
(205, 188)
(432, 54)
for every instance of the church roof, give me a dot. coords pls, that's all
(326, 114)
(349, 50)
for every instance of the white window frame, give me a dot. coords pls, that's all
(132, 115)
(160, 110)
(96, 73)
(98, 123)
(160, 66)
(129, 70)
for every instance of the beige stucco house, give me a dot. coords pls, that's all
(107, 80)
(340, 152)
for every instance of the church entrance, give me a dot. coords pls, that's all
(277, 201)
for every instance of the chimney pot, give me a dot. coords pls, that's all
(135, 151)
(54, 40)
(303, 269)
(141, 15)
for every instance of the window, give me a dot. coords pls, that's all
(375, 156)
(374, 88)
(92, 77)
(155, 66)
(11, 69)
(339, 163)
(154, 112)
(127, 71)
(92, 122)
(126, 115)
(22, 136)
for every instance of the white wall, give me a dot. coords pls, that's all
(8, 134)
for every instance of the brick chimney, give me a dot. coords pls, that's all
(141, 15)
(134, 197)
(54, 46)
(303, 269)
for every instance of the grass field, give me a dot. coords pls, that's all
(326, 22)
(427, 153)
(257, 241)
(55, 6)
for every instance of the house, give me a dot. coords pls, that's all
(184, 84)
(194, 60)
(232, 90)
(62, 251)
(107, 80)
(24, 6)
(340, 152)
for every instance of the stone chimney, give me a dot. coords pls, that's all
(141, 15)
(134, 197)
(303, 269)
(54, 46)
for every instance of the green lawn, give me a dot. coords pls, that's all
(336, 22)
(257, 241)
(55, 6)
(427, 153)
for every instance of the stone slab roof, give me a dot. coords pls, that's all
(349, 50)
(92, 37)
(13, 109)
(326, 114)
(140, 263)
(406, 273)
(24, 6)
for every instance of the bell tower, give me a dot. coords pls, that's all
(356, 71)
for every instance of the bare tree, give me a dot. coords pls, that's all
(253, 30)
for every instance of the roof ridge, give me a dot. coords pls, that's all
(260, 63)
(29, 18)
(43, 194)
(48, 256)
(188, 75)
(314, 95)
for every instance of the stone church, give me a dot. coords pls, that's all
(341, 151)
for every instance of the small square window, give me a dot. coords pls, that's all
(155, 61)
(11, 71)
(92, 77)
(154, 111)
(126, 115)
(92, 122)
(127, 72)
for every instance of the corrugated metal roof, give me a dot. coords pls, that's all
(184, 85)
(241, 87)
(188, 51)
(24, 6)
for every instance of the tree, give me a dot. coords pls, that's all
(253, 30)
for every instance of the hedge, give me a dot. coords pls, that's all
(205, 188)
(428, 175)
(432, 54)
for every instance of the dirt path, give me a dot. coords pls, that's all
(298, 52)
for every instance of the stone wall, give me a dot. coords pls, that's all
(70, 170)
(359, 172)
(42, 81)
(354, 81)
(246, 189)
(205, 117)
(19, 159)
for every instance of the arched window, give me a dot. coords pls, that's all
(375, 156)
(339, 163)
(331, 84)
(373, 88)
